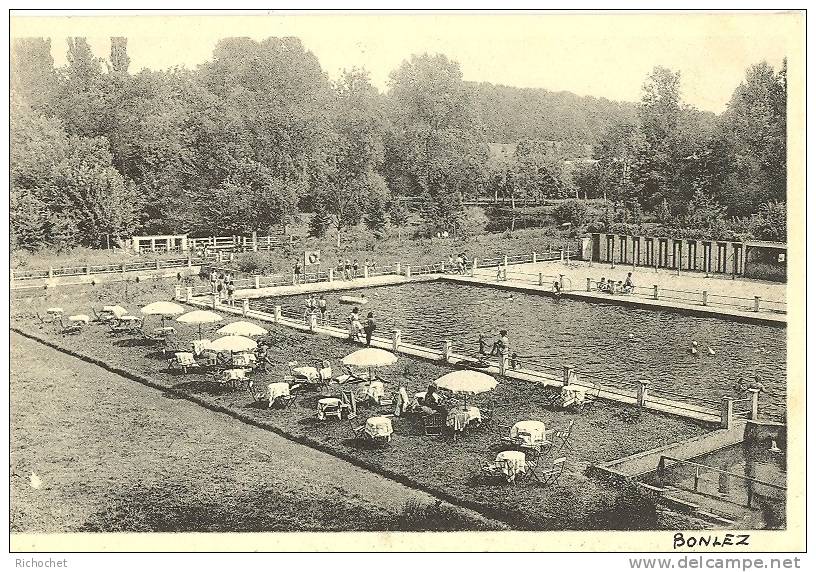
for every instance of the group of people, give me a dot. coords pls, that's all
(619, 287)
(458, 263)
(357, 329)
(315, 304)
(222, 285)
(350, 269)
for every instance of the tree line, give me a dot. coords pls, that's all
(259, 133)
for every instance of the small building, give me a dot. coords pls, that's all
(159, 243)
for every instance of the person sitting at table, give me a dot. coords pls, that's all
(602, 285)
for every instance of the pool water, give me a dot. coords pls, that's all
(595, 338)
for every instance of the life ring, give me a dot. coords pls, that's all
(313, 258)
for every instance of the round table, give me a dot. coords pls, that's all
(461, 416)
(328, 403)
(529, 432)
(306, 371)
(373, 390)
(55, 311)
(277, 389)
(512, 463)
(378, 427)
(572, 395)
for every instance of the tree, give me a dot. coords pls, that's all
(440, 150)
(571, 211)
(33, 77)
(398, 215)
(751, 141)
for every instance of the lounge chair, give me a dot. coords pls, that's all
(70, 327)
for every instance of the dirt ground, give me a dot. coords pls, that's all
(91, 451)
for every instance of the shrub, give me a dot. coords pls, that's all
(571, 211)
(418, 516)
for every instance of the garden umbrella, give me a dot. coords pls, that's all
(79, 318)
(370, 358)
(466, 382)
(162, 309)
(242, 329)
(233, 344)
(199, 317)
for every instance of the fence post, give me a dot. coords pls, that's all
(447, 347)
(157, 264)
(705, 298)
(277, 313)
(189, 293)
(407, 271)
(655, 291)
(396, 340)
(474, 267)
(754, 395)
(177, 294)
(245, 306)
(562, 255)
(561, 282)
(726, 412)
(331, 274)
(642, 391)
(257, 281)
(51, 271)
(541, 279)
(365, 271)
(87, 270)
(505, 261)
(312, 322)
(254, 241)
(398, 268)
(567, 374)
(535, 257)
(589, 284)
(756, 303)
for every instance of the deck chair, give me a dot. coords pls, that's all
(70, 327)
(348, 403)
(183, 361)
(591, 396)
(562, 438)
(547, 476)
(433, 424)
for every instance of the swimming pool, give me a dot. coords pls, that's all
(595, 338)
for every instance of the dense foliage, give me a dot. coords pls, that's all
(259, 133)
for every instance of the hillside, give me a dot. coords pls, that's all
(511, 114)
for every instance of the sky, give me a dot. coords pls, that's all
(602, 55)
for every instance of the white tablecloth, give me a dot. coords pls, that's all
(529, 432)
(234, 374)
(278, 389)
(325, 403)
(379, 427)
(462, 415)
(55, 310)
(571, 394)
(79, 318)
(185, 358)
(374, 390)
(243, 359)
(512, 462)
(306, 371)
(200, 345)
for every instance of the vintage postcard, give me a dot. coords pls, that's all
(515, 281)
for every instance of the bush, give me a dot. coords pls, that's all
(418, 516)
(571, 211)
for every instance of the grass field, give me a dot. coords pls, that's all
(113, 455)
(576, 503)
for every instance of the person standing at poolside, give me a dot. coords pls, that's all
(482, 345)
(230, 292)
(321, 304)
(370, 326)
(501, 345)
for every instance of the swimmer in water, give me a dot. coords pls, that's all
(711, 351)
(693, 348)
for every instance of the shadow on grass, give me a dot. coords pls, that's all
(134, 343)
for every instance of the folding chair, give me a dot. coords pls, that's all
(563, 436)
(494, 470)
(70, 328)
(549, 476)
(591, 396)
(433, 424)
(348, 403)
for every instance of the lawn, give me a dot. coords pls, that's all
(437, 464)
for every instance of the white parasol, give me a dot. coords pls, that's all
(466, 382)
(117, 311)
(162, 309)
(199, 317)
(370, 358)
(242, 329)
